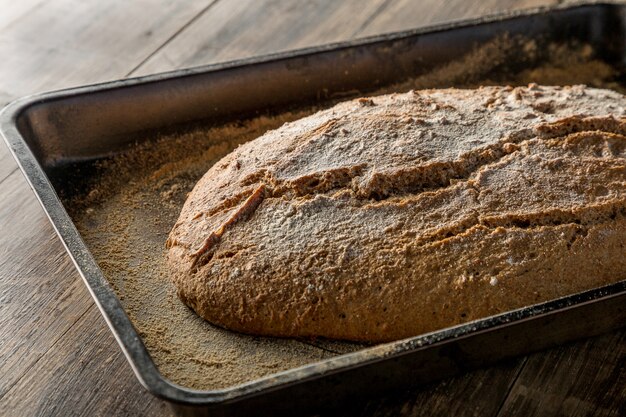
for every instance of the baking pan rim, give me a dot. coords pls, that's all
(121, 326)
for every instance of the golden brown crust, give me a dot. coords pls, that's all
(392, 216)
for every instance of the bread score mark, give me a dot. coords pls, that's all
(569, 128)
(243, 212)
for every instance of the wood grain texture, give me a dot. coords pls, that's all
(13, 11)
(475, 394)
(51, 45)
(59, 346)
(403, 14)
(57, 357)
(43, 299)
(583, 379)
(41, 295)
(240, 29)
(82, 376)
(212, 38)
(5, 98)
(70, 42)
(7, 163)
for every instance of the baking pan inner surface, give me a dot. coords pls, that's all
(126, 205)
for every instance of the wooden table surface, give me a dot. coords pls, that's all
(57, 356)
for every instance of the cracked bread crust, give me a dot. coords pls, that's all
(387, 217)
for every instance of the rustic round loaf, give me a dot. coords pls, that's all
(387, 217)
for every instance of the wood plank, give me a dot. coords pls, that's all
(212, 38)
(54, 345)
(41, 294)
(79, 42)
(477, 393)
(7, 163)
(14, 11)
(583, 379)
(70, 42)
(403, 14)
(84, 375)
(246, 28)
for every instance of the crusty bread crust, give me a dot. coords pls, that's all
(387, 217)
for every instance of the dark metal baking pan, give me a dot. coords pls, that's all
(47, 133)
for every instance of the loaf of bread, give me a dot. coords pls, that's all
(388, 217)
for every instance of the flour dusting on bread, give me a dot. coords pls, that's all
(387, 217)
